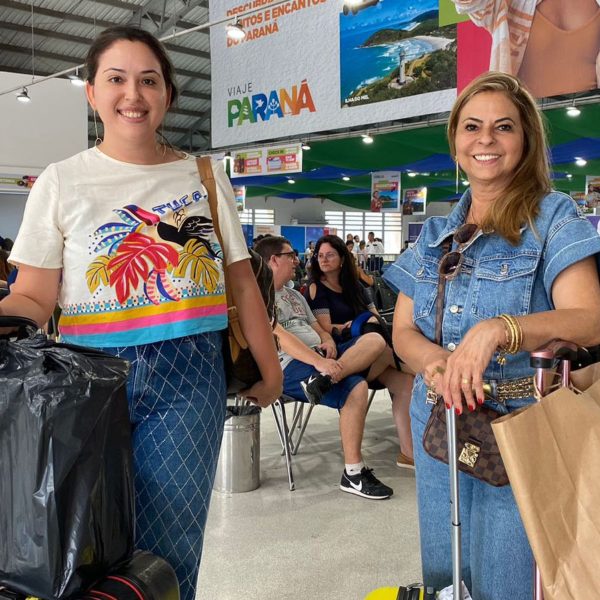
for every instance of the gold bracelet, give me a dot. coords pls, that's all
(514, 338)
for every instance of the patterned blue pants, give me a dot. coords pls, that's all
(177, 397)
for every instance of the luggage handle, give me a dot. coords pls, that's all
(24, 327)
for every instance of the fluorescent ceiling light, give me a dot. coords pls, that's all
(580, 162)
(367, 139)
(573, 111)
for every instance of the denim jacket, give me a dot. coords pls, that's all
(496, 277)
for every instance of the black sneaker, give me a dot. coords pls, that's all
(365, 484)
(315, 387)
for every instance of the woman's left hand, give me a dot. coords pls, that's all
(466, 365)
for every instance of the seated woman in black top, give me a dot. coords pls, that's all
(336, 297)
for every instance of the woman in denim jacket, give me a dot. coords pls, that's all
(528, 254)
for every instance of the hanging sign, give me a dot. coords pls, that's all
(272, 160)
(240, 197)
(414, 201)
(385, 191)
(16, 183)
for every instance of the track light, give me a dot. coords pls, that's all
(305, 146)
(569, 176)
(366, 138)
(345, 178)
(573, 111)
(580, 162)
(465, 182)
(291, 181)
(24, 96)
(411, 174)
(76, 80)
(235, 31)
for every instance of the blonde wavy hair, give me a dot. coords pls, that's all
(531, 182)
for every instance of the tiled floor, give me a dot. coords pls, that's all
(316, 542)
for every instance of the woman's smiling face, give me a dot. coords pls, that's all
(129, 91)
(489, 139)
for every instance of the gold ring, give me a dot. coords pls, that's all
(464, 381)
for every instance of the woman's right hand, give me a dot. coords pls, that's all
(433, 374)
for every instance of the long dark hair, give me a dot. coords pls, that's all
(132, 34)
(352, 290)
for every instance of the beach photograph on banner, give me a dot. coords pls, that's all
(385, 191)
(414, 201)
(394, 49)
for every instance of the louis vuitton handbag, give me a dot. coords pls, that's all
(476, 447)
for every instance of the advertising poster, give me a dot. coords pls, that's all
(240, 197)
(562, 35)
(414, 201)
(414, 229)
(318, 65)
(385, 191)
(267, 161)
(248, 162)
(592, 191)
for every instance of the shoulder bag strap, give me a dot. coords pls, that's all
(207, 179)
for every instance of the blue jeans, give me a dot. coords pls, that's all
(497, 563)
(177, 398)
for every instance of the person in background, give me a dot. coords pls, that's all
(315, 367)
(349, 238)
(336, 297)
(522, 270)
(350, 246)
(375, 252)
(5, 270)
(362, 255)
(143, 279)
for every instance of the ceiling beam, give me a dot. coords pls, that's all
(74, 60)
(195, 95)
(67, 37)
(99, 23)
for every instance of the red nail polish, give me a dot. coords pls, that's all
(471, 408)
(448, 405)
(458, 411)
(480, 400)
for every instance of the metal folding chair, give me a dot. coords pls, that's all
(290, 436)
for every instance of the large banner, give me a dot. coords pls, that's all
(316, 65)
(267, 161)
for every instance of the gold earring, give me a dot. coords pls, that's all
(98, 138)
(457, 172)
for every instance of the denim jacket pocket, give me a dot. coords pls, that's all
(426, 281)
(503, 284)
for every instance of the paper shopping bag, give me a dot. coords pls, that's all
(551, 451)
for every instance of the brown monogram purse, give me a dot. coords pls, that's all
(476, 447)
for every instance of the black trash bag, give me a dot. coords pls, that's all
(66, 468)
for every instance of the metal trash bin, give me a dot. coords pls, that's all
(238, 469)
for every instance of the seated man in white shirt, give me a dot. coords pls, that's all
(328, 374)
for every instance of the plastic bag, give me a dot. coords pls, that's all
(66, 474)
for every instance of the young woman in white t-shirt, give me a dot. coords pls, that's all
(121, 234)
